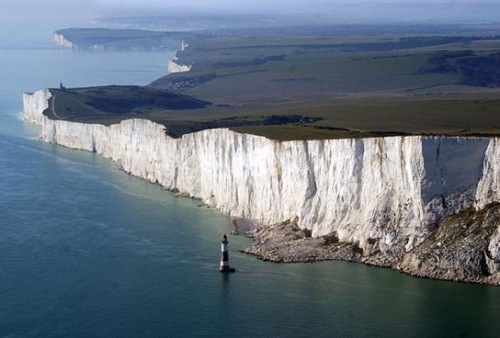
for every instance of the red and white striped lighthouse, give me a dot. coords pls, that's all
(224, 256)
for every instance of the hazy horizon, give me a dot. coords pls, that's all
(36, 20)
(341, 11)
(79, 11)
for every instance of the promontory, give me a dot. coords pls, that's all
(382, 150)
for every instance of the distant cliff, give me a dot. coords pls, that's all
(61, 41)
(387, 198)
(100, 39)
(174, 67)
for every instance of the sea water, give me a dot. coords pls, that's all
(88, 251)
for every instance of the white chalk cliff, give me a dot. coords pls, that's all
(60, 40)
(384, 190)
(174, 67)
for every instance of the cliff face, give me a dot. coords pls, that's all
(60, 40)
(174, 67)
(34, 104)
(378, 193)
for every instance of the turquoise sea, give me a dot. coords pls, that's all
(88, 251)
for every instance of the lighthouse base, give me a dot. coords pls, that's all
(226, 269)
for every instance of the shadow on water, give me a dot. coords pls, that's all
(226, 280)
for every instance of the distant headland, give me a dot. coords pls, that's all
(333, 82)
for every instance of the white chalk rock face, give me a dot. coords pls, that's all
(34, 104)
(488, 190)
(384, 190)
(60, 40)
(174, 67)
(494, 246)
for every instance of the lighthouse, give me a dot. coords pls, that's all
(224, 256)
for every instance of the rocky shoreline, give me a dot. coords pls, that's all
(458, 249)
(287, 243)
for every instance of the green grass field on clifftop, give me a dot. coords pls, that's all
(308, 87)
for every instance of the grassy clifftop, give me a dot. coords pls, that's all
(316, 86)
(290, 68)
(109, 104)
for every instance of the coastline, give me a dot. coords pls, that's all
(142, 231)
(196, 166)
(295, 221)
(440, 257)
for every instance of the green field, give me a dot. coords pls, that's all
(292, 68)
(341, 86)
(111, 104)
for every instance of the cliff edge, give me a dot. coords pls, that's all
(384, 200)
